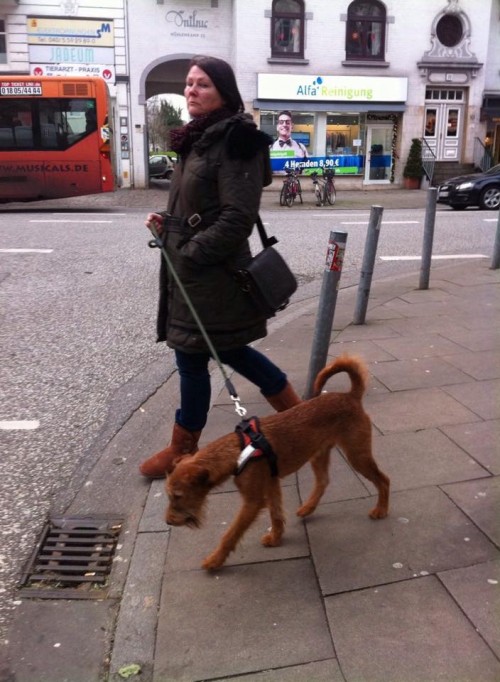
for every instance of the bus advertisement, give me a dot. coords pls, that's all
(55, 137)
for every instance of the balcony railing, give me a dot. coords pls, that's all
(428, 160)
(482, 156)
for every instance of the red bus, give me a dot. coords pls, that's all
(54, 137)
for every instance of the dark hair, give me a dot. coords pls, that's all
(287, 113)
(222, 76)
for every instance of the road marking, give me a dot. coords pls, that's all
(23, 425)
(71, 221)
(86, 213)
(387, 222)
(26, 250)
(337, 214)
(490, 220)
(442, 257)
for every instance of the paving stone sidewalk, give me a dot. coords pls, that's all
(412, 598)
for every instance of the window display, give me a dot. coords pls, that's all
(296, 141)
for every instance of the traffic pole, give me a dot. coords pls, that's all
(430, 219)
(368, 265)
(495, 261)
(326, 307)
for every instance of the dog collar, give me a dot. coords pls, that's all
(254, 446)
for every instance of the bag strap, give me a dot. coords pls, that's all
(266, 241)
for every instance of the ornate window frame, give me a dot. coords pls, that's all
(454, 58)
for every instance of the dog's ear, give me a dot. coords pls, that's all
(203, 476)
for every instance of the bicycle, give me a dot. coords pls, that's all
(291, 187)
(324, 187)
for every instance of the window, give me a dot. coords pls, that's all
(50, 123)
(3, 43)
(430, 122)
(365, 38)
(287, 28)
(449, 30)
(435, 93)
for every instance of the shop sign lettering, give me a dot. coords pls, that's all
(187, 25)
(332, 88)
(347, 164)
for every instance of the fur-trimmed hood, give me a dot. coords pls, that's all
(243, 139)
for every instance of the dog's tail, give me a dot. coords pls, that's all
(355, 368)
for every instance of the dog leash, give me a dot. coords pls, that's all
(238, 407)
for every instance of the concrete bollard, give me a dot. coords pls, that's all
(368, 264)
(326, 307)
(430, 219)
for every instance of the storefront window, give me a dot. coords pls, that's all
(341, 148)
(344, 142)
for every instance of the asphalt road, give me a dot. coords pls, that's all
(78, 335)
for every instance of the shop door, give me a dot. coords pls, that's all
(378, 153)
(443, 130)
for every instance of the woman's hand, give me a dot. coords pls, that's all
(154, 220)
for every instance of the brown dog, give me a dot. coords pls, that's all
(304, 433)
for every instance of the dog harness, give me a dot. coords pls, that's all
(254, 446)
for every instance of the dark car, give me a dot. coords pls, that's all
(478, 189)
(161, 166)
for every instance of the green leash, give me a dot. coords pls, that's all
(239, 409)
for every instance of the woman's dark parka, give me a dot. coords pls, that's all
(221, 180)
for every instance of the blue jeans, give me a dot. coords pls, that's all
(195, 380)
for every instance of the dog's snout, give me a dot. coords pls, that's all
(176, 518)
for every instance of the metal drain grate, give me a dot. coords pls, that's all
(73, 558)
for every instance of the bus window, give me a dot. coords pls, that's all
(66, 121)
(16, 131)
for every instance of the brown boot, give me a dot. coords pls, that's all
(183, 442)
(283, 400)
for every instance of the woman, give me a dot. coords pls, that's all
(213, 204)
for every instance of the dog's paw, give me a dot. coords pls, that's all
(378, 513)
(305, 510)
(213, 561)
(271, 539)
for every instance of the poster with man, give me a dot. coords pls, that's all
(285, 142)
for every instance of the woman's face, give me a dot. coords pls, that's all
(201, 95)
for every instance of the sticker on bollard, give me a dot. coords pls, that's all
(334, 256)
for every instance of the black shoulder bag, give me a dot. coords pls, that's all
(267, 278)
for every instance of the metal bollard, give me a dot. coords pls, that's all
(495, 261)
(326, 307)
(430, 219)
(368, 265)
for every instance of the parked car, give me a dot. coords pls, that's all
(478, 189)
(161, 166)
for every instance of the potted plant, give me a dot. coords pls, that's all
(414, 171)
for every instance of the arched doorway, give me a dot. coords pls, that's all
(163, 76)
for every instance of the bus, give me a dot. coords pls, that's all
(55, 137)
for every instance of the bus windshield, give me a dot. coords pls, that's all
(54, 138)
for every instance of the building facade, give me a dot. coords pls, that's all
(360, 77)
